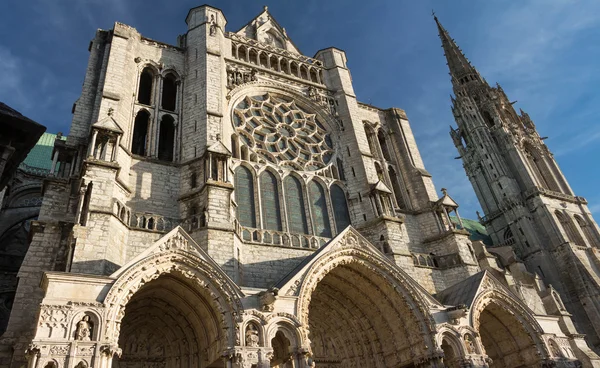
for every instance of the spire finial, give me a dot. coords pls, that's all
(457, 62)
(265, 8)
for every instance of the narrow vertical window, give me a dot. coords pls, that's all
(269, 196)
(587, 230)
(140, 133)
(320, 215)
(169, 92)
(397, 188)
(340, 208)
(244, 196)
(294, 200)
(572, 234)
(166, 138)
(145, 87)
(371, 141)
(383, 145)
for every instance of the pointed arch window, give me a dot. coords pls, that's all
(320, 215)
(567, 224)
(269, 196)
(145, 86)
(140, 133)
(340, 208)
(383, 144)
(169, 92)
(294, 201)
(371, 141)
(244, 196)
(587, 230)
(397, 188)
(166, 138)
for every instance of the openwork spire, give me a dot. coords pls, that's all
(457, 62)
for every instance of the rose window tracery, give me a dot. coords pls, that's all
(282, 133)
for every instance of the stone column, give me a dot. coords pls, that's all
(32, 354)
(91, 148)
(54, 161)
(116, 149)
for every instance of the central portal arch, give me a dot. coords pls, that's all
(363, 313)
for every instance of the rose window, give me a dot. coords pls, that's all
(282, 133)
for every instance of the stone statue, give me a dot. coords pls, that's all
(213, 26)
(84, 329)
(252, 338)
(470, 345)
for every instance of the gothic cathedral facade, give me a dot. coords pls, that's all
(228, 202)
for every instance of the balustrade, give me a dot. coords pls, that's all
(273, 237)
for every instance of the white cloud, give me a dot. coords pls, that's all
(11, 76)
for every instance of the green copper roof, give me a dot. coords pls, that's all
(40, 156)
(476, 230)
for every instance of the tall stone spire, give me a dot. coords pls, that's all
(458, 63)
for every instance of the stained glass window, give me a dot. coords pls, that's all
(340, 208)
(294, 200)
(244, 196)
(319, 210)
(269, 196)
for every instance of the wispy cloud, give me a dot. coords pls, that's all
(11, 75)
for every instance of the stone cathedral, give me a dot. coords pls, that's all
(226, 201)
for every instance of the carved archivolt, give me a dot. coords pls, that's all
(353, 249)
(493, 294)
(204, 275)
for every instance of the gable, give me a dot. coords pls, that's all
(265, 29)
(108, 123)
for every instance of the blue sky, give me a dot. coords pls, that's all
(544, 53)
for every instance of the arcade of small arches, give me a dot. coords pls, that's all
(385, 164)
(156, 116)
(311, 70)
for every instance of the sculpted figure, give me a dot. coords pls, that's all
(252, 338)
(213, 26)
(84, 329)
(470, 345)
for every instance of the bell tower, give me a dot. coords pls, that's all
(528, 203)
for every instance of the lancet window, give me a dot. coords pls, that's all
(154, 132)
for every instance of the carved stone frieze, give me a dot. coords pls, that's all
(236, 76)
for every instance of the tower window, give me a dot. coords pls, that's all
(166, 138)
(145, 87)
(169, 92)
(140, 133)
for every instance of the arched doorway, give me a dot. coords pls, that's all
(451, 347)
(362, 316)
(172, 309)
(509, 337)
(169, 322)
